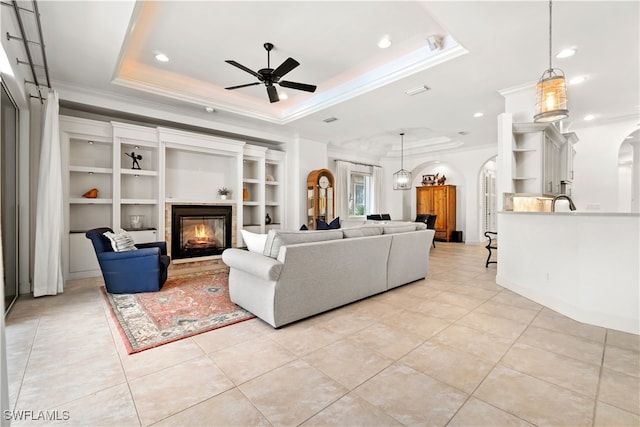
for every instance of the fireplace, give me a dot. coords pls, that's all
(200, 230)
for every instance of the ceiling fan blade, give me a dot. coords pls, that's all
(298, 86)
(288, 65)
(243, 68)
(239, 86)
(273, 94)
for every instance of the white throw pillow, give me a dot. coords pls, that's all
(255, 242)
(120, 242)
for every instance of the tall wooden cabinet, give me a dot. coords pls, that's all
(438, 200)
(320, 197)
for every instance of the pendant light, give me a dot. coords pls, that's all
(402, 178)
(551, 91)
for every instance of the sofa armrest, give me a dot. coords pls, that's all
(161, 245)
(255, 264)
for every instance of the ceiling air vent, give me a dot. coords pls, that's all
(417, 90)
(330, 119)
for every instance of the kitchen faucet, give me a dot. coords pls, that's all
(562, 196)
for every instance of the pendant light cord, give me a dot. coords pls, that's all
(550, 21)
(402, 151)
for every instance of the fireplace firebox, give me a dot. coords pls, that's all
(199, 230)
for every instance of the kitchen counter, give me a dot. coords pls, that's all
(584, 265)
(577, 213)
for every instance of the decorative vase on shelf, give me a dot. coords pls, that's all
(267, 219)
(245, 194)
(223, 197)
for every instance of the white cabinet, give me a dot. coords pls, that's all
(567, 153)
(274, 194)
(536, 158)
(136, 182)
(262, 182)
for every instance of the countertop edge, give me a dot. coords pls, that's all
(575, 213)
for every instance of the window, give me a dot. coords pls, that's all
(360, 194)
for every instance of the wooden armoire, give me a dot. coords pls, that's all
(438, 200)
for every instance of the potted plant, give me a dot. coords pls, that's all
(223, 193)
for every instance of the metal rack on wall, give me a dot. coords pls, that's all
(28, 23)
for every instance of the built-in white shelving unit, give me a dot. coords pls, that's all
(176, 167)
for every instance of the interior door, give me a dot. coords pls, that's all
(9, 195)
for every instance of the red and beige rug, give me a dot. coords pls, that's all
(184, 307)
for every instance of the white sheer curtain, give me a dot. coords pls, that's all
(47, 274)
(343, 178)
(376, 193)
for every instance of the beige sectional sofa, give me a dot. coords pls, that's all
(303, 273)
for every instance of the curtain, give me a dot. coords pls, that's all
(47, 274)
(377, 188)
(343, 178)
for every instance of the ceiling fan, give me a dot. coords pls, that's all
(269, 76)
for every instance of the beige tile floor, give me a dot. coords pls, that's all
(454, 349)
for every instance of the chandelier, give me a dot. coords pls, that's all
(402, 178)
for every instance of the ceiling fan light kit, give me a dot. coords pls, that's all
(551, 91)
(269, 77)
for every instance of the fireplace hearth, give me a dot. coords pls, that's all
(200, 230)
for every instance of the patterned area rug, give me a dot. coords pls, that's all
(184, 307)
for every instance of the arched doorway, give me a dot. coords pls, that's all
(488, 196)
(629, 174)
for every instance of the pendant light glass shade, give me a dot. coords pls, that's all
(551, 97)
(551, 91)
(402, 178)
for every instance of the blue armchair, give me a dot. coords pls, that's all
(143, 270)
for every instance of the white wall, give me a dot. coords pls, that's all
(303, 156)
(567, 267)
(462, 169)
(595, 185)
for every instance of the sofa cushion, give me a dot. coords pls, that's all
(121, 242)
(362, 231)
(401, 228)
(278, 238)
(255, 242)
(350, 223)
(421, 226)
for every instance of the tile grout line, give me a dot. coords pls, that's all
(489, 373)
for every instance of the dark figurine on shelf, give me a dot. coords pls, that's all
(135, 158)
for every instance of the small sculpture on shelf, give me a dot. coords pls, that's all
(441, 180)
(267, 219)
(429, 179)
(91, 194)
(135, 157)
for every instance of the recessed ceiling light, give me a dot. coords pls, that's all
(463, 133)
(589, 117)
(283, 96)
(577, 80)
(565, 53)
(330, 119)
(384, 42)
(417, 90)
(478, 114)
(161, 57)
(209, 109)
